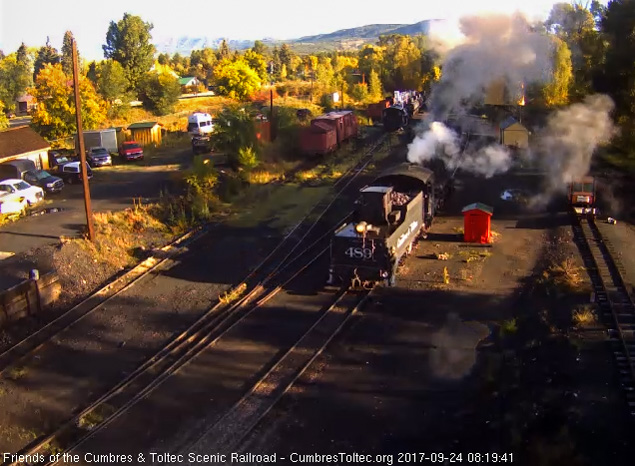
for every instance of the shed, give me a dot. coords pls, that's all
(477, 223)
(146, 133)
(513, 134)
(23, 142)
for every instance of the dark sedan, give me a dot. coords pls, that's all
(70, 172)
(43, 179)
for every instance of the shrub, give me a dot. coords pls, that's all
(160, 93)
(247, 158)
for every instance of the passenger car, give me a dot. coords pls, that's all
(99, 157)
(43, 179)
(70, 172)
(131, 150)
(20, 188)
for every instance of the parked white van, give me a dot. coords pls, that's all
(199, 124)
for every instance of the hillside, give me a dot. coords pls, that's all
(343, 39)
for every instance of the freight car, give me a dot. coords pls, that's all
(327, 132)
(374, 111)
(392, 212)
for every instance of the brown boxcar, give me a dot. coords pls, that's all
(343, 122)
(318, 139)
(374, 111)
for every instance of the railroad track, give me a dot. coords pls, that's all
(613, 300)
(226, 435)
(19, 351)
(205, 331)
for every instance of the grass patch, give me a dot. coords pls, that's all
(16, 373)
(474, 255)
(446, 276)
(584, 317)
(234, 294)
(564, 276)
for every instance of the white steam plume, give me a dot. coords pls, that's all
(497, 47)
(565, 146)
(441, 142)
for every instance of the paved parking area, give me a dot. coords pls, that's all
(112, 188)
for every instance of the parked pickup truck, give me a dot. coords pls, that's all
(131, 150)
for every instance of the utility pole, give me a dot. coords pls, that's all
(80, 142)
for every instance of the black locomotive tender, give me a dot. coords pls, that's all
(392, 212)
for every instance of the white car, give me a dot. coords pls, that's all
(15, 188)
(10, 204)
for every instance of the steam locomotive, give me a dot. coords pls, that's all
(392, 212)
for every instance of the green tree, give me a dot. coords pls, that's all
(375, 92)
(128, 42)
(223, 51)
(67, 53)
(202, 64)
(576, 26)
(260, 48)
(236, 79)
(54, 116)
(160, 92)
(234, 130)
(112, 85)
(15, 78)
(556, 92)
(22, 55)
(46, 55)
(164, 59)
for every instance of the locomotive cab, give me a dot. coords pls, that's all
(582, 195)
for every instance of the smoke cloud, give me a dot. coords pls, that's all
(496, 47)
(441, 142)
(565, 146)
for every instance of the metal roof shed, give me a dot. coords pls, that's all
(477, 223)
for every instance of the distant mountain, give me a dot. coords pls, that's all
(344, 39)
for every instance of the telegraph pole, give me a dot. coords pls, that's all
(80, 143)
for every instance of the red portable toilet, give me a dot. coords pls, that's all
(476, 225)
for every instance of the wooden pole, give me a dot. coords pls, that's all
(80, 143)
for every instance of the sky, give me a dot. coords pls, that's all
(31, 21)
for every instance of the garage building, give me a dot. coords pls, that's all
(24, 143)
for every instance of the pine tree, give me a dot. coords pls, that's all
(46, 55)
(223, 51)
(22, 55)
(67, 53)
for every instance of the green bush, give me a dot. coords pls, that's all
(247, 158)
(160, 93)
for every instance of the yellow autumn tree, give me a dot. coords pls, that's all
(54, 116)
(556, 92)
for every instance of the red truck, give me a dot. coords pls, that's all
(131, 150)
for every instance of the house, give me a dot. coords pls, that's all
(189, 84)
(146, 133)
(25, 104)
(477, 223)
(513, 134)
(24, 143)
(189, 81)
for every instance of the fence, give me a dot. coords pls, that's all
(29, 297)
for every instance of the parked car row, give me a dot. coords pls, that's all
(22, 184)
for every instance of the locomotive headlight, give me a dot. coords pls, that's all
(361, 227)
